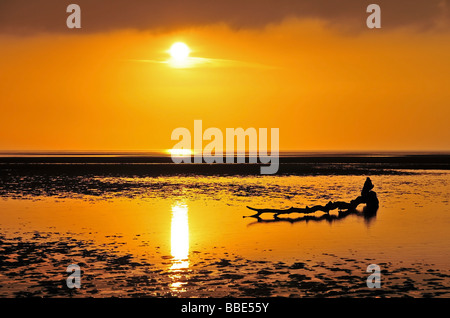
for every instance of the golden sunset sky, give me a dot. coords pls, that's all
(310, 68)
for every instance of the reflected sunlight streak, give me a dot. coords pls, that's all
(180, 232)
(179, 247)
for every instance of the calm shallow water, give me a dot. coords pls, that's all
(186, 236)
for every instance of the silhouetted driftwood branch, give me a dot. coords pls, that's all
(367, 196)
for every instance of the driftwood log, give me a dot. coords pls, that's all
(367, 197)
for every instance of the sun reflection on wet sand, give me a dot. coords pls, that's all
(179, 246)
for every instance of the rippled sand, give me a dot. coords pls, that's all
(33, 267)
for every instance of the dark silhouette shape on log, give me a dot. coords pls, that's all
(367, 197)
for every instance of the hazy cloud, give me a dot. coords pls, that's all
(33, 16)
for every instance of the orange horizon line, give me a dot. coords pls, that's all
(167, 151)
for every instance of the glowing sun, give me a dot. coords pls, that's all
(179, 52)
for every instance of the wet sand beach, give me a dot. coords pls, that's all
(149, 230)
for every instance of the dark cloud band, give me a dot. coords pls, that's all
(31, 16)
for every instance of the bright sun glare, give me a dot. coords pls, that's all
(180, 152)
(179, 52)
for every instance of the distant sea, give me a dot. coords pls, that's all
(291, 163)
